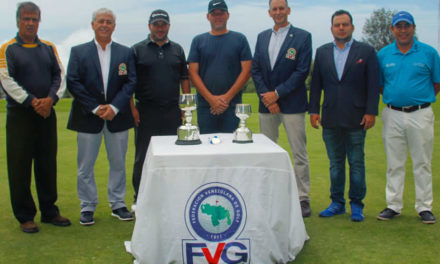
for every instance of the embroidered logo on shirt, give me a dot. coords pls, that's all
(359, 61)
(291, 54)
(389, 65)
(122, 69)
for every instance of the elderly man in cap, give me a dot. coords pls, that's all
(410, 77)
(219, 66)
(162, 70)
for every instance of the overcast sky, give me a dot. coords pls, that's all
(67, 23)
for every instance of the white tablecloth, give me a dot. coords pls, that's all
(231, 203)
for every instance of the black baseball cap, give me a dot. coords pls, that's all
(217, 4)
(159, 15)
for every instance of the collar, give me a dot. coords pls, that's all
(347, 44)
(282, 29)
(37, 42)
(149, 41)
(106, 46)
(414, 47)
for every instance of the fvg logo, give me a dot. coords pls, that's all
(215, 216)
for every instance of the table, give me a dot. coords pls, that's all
(224, 203)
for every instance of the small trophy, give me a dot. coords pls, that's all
(188, 134)
(243, 134)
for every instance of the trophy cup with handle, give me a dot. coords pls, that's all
(188, 134)
(243, 134)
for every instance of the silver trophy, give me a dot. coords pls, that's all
(188, 134)
(243, 134)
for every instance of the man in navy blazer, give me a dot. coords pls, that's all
(348, 73)
(279, 69)
(101, 76)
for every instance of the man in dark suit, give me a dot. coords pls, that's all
(348, 73)
(101, 77)
(279, 69)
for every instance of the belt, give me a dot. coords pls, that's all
(409, 109)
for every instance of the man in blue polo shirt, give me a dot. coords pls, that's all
(219, 65)
(410, 77)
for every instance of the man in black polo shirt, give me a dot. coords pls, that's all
(160, 67)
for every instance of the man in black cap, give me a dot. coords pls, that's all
(219, 66)
(161, 69)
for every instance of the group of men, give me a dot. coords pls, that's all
(103, 75)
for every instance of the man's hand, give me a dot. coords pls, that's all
(43, 106)
(274, 108)
(136, 116)
(106, 112)
(218, 104)
(315, 120)
(368, 121)
(269, 98)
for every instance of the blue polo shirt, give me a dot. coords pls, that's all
(408, 79)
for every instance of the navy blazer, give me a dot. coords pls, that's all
(289, 73)
(84, 82)
(346, 101)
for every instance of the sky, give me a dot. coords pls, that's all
(66, 23)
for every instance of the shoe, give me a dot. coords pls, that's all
(133, 208)
(356, 213)
(29, 227)
(86, 218)
(122, 214)
(56, 220)
(333, 209)
(387, 214)
(305, 209)
(427, 217)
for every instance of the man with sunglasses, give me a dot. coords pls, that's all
(410, 78)
(161, 70)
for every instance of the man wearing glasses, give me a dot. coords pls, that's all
(410, 78)
(161, 70)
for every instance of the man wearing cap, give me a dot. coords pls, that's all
(219, 66)
(348, 73)
(161, 71)
(279, 70)
(101, 76)
(410, 77)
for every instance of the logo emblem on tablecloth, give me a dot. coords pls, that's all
(215, 215)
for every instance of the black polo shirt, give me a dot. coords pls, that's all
(159, 72)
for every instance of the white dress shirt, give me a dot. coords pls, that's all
(104, 62)
(275, 43)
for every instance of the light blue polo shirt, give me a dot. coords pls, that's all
(408, 79)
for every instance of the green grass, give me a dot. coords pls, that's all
(334, 240)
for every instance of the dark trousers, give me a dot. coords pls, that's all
(346, 144)
(29, 137)
(154, 121)
(208, 123)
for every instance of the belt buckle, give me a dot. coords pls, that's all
(407, 108)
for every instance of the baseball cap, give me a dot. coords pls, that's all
(217, 4)
(159, 15)
(403, 16)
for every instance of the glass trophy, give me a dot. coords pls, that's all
(188, 134)
(243, 134)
